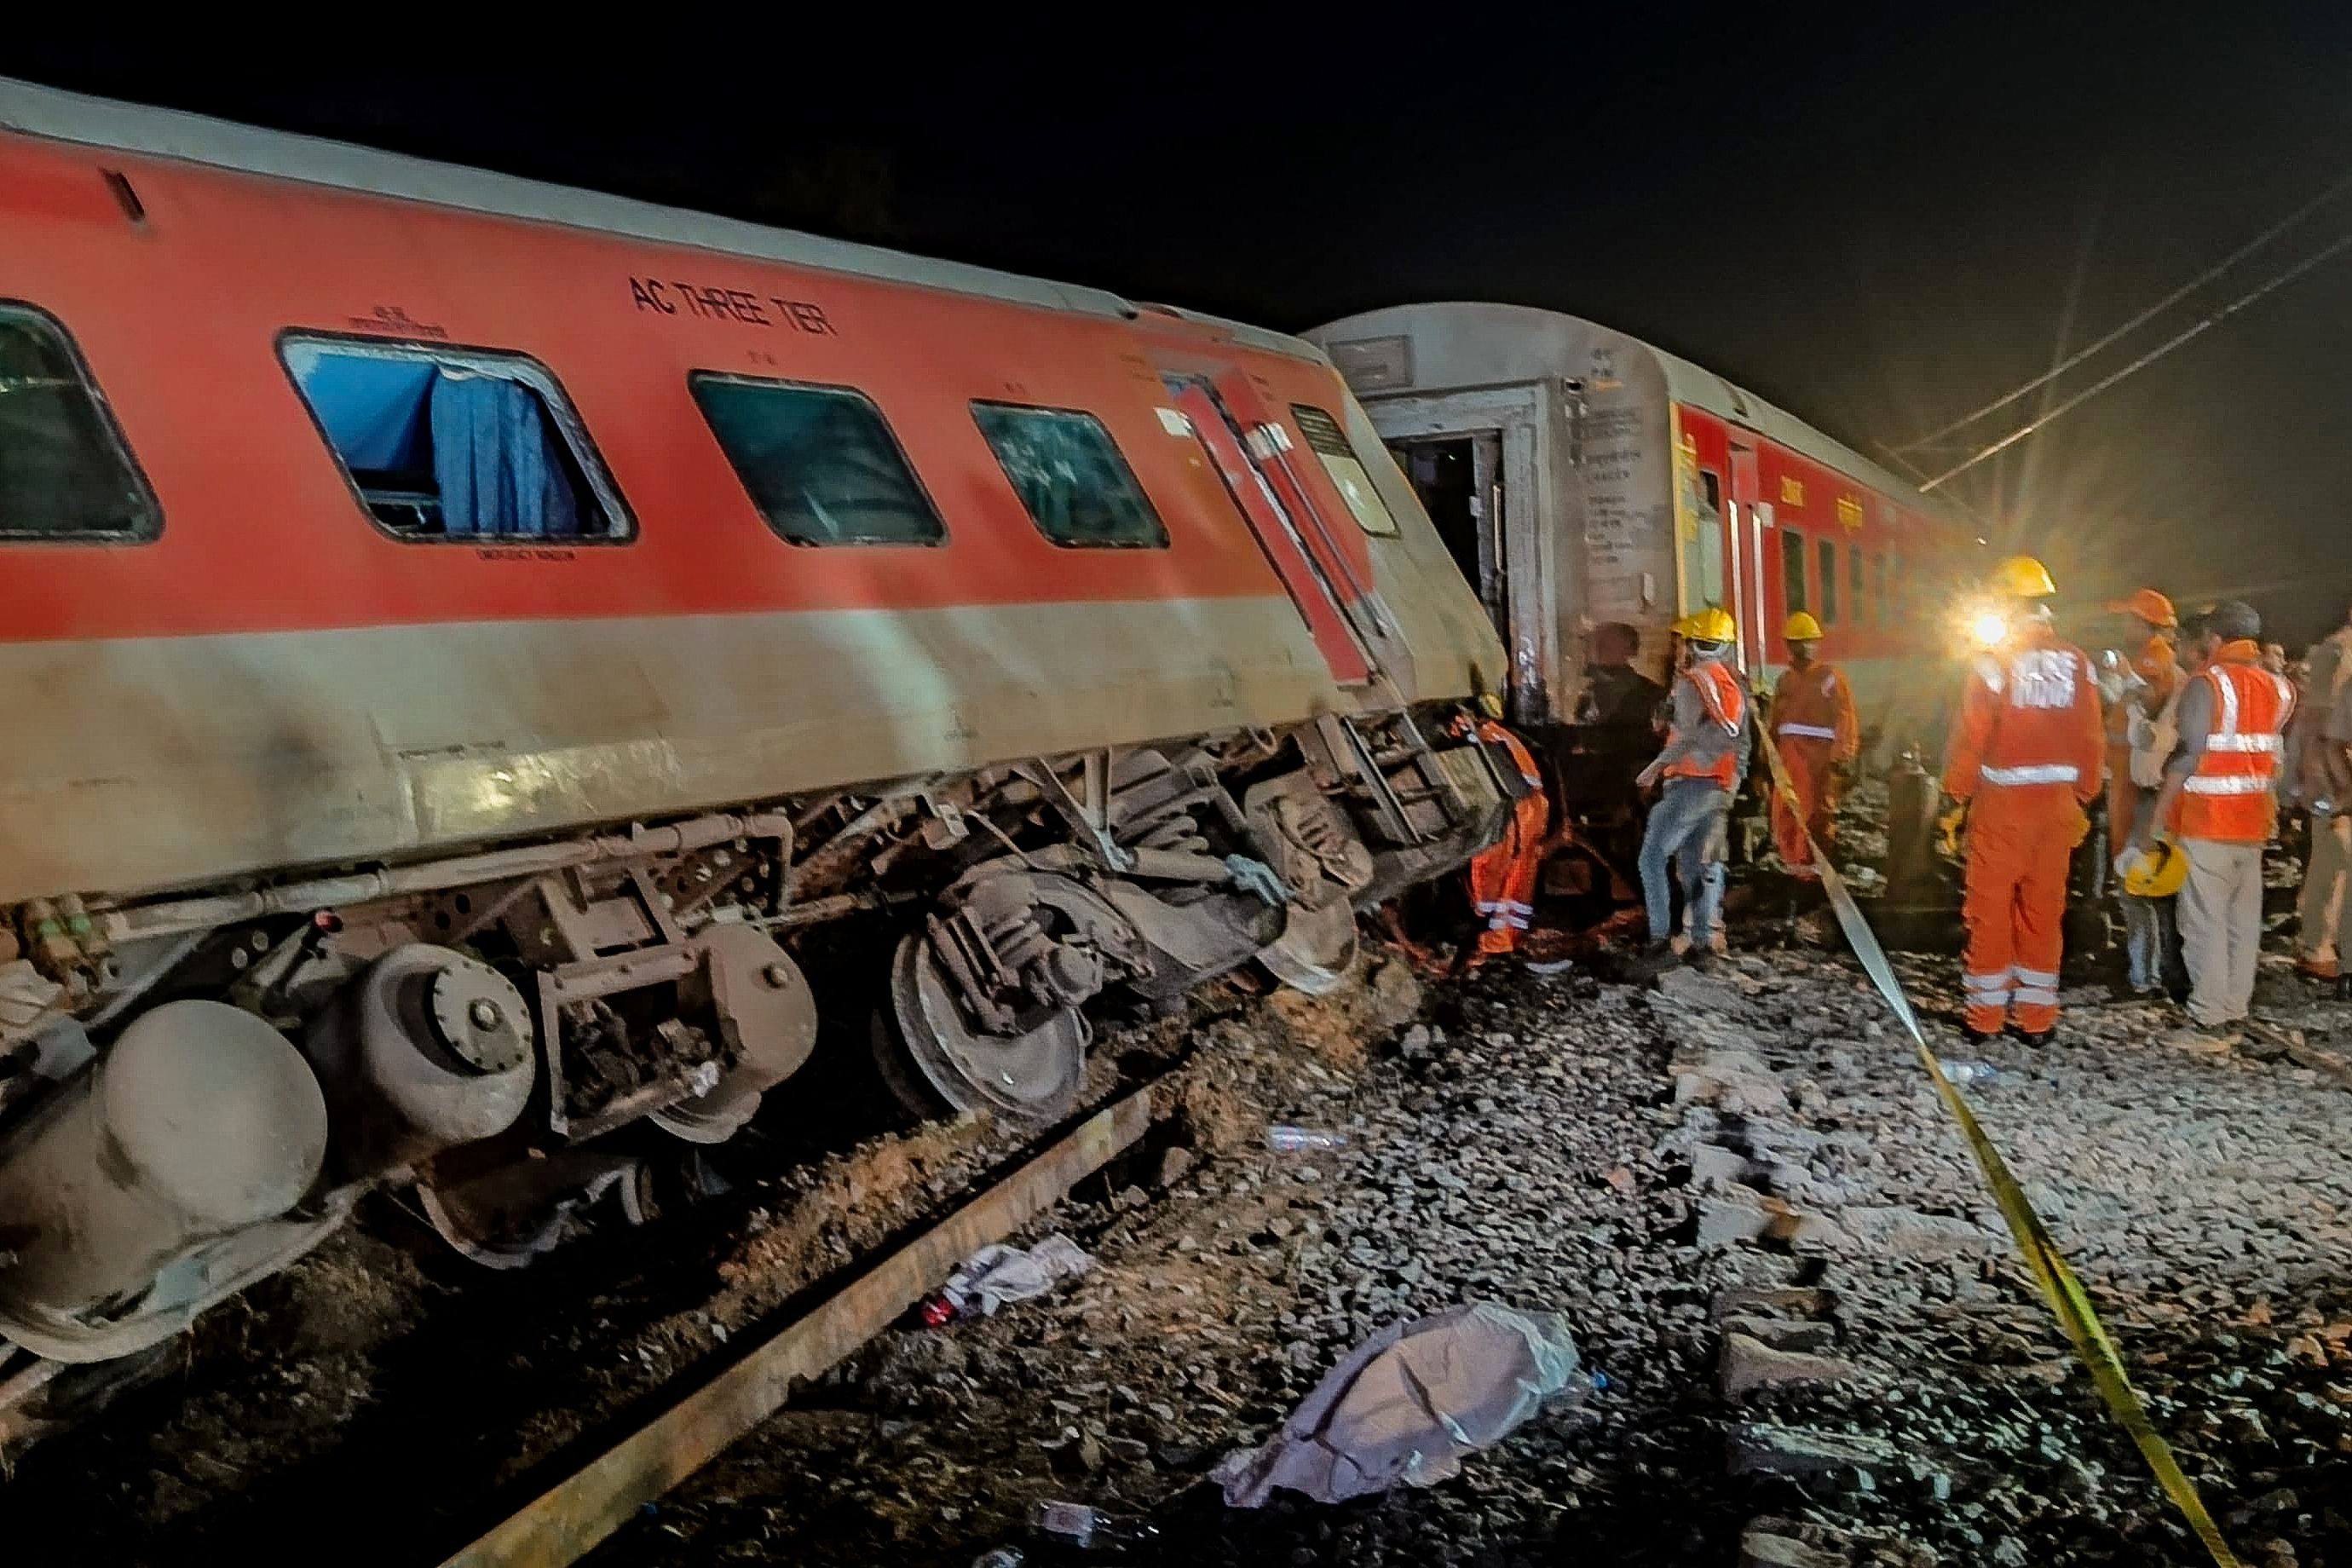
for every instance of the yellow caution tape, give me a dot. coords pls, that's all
(2069, 1302)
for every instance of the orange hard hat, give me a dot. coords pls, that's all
(2150, 606)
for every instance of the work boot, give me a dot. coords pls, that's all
(2327, 970)
(1654, 960)
(1679, 944)
(2204, 1039)
(2033, 1039)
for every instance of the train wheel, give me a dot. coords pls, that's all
(934, 1062)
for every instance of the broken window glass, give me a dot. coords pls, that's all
(452, 444)
(1069, 474)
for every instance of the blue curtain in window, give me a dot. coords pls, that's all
(494, 461)
(373, 409)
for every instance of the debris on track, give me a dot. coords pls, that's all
(1805, 1337)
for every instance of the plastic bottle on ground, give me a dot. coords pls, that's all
(1284, 1139)
(1967, 1073)
(1080, 1525)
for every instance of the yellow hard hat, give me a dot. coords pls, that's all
(2159, 873)
(1713, 624)
(2024, 577)
(1801, 628)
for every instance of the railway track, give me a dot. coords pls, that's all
(570, 1517)
(524, 1414)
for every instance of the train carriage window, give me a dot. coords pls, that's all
(461, 445)
(1329, 443)
(65, 472)
(1068, 472)
(1856, 599)
(1792, 572)
(1829, 610)
(819, 461)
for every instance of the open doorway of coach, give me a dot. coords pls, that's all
(1459, 477)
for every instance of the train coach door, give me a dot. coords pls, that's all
(1747, 516)
(1459, 479)
(1303, 575)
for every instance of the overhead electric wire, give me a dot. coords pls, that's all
(2158, 352)
(2087, 350)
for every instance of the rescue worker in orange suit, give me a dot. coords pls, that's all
(1503, 877)
(2220, 802)
(2158, 672)
(1697, 774)
(1814, 726)
(2023, 761)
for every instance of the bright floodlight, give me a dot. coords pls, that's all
(1988, 628)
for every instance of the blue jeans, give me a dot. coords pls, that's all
(2150, 948)
(1685, 828)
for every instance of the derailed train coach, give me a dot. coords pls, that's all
(1583, 478)
(487, 667)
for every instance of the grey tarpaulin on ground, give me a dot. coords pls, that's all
(2070, 1303)
(1409, 1403)
(997, 1273)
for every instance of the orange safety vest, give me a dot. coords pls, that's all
(2028, 719)
(1726, 704)
(2232, 798)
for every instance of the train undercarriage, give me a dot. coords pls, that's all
(194, 1090)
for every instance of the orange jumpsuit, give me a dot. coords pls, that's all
(2024, 756)
(1503, 877)
(2155, 665)
(1814, 726)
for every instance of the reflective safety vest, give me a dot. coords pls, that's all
(2027, 717)
(2231, 796)
(1725, 707)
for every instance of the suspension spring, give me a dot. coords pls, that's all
(1176, 831)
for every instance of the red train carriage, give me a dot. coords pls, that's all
(1582, 477)
(467, 646)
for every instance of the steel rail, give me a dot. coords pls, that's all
(572, 1517)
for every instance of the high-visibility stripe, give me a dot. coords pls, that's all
(2034, 996)
(1993, 999)
(2032, 773)
(1987, 982)
(2034, 977)
(2229, 690)
(2228, 783)
(1812, 732)
(2241, 743)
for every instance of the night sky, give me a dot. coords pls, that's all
(1877, 221)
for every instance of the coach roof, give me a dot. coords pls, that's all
(33, 109)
